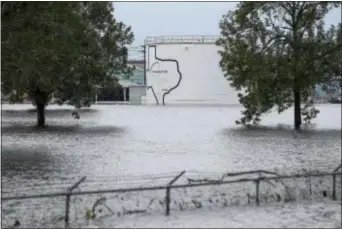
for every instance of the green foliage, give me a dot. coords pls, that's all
(269, 50)
(110, 93)
(64, 49)
(309, 112)
(90, 214)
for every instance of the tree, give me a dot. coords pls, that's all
(275, 53)
(333, 87)
(62, 49)
(111, 93)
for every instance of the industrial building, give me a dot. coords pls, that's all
(185, 70)
(134, 87)
(179, 70)
(130, 91)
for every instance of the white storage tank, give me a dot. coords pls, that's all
(185, 70)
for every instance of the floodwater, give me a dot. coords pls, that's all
(131, 141)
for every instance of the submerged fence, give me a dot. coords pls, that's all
(262, 176)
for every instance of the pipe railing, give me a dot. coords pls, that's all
(207, 39)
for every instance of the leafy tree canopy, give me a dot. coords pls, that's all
(64, 49)
(275, 53)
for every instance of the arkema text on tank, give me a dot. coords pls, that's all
(185, 70)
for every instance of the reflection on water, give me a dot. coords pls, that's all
(116, 140)
(59, 129)
(125, 141)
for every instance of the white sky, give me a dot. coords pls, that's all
(180, 18)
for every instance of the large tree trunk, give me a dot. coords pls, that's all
(297, 86)
(40, 115)
(297, 111)
(41, 99)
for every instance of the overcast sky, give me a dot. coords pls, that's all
(179, 18)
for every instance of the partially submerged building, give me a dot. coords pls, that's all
(129, 91)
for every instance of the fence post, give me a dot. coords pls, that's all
(168, 192)
(168, 200)
(334, 181)
(67, 207)
(334, 187)
(257, 190)
(68, 196)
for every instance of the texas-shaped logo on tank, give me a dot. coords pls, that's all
(164, 75)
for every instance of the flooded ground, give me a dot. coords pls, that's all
(290, 215)
(131, 142)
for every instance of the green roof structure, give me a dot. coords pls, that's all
(137, 78)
